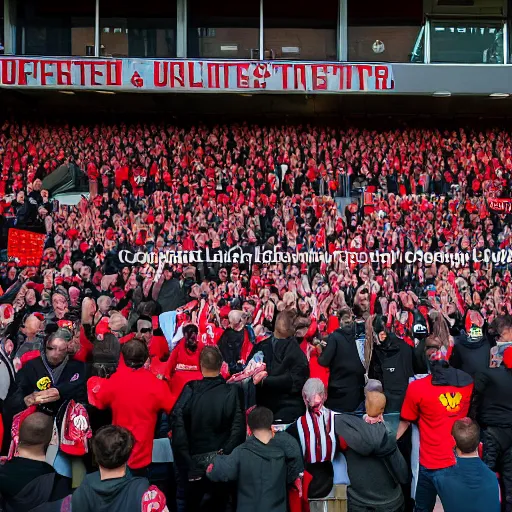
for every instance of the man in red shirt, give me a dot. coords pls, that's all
(135, 396)
(435, 403)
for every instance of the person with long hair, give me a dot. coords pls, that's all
(183, 365)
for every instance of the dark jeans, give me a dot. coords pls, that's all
(426, 490)
(204, 495)
(355, 507)
(140, 472)
(497, 454)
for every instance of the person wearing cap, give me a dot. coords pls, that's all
(472, 350)
(434, 403)
(491, 406)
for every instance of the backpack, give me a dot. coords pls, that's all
(75, 430)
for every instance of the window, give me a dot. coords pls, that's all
(300, 31)
(52, 28)
(385, 31)
(223, 30)
(135, 29)
(466, 42)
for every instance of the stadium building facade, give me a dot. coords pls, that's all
(412, 52)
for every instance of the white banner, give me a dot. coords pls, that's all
(259, 255)
(157, 75)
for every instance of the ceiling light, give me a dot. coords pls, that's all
(499, 95)
(67, 92)
(442, 94)
(105, 92)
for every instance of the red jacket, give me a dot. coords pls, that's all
(135, 398)
(182, 367)
(158, 348)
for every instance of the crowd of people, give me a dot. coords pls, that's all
(228, 384)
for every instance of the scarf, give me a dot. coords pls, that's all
(316, 434)
(372, 420)
(55, 373)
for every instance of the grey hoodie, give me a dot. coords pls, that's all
(376, 467)
(113, 495)
(263, 472)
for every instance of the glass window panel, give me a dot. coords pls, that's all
(301, 33)
(385, 44)
(49, 28)
(133, 29)
(385, 31)
(466, 42)
(224, 30)
(2, 40)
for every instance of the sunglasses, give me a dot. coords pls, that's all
(145, 330)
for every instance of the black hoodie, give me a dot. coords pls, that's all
(392, 364)
(113, 495)
(471, 356)
(288, 371)
(376, 467)
(492, 397)
(230, 344)
(27, 485)
(346, 377)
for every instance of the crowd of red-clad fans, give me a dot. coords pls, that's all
(238, 386)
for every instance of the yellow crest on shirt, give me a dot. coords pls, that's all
(451, 401)
(44, 383)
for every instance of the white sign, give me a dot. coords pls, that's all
(158, 75)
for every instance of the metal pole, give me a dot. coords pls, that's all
(9, 27)
(97, 41)
(426, 53)
(181, 29)
(262, 38)
(342, 31)
(506, 57)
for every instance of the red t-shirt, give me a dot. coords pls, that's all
(436, 408)
(135, 398)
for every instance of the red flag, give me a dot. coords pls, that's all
(27, 247)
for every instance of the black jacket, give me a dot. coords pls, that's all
(115, 495)
(207, 418)
(263, 472)
(392, 364)
(470, 356)
(376, 467)
(230, 344)
(346, 371)
(34, 376)
(171, 296)
(27, 485)
(288, 370)
(491, 403)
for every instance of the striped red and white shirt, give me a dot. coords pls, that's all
(316, 434)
